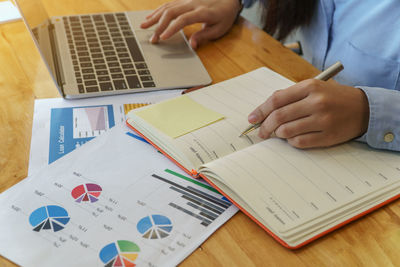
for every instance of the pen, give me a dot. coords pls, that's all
(324, 76)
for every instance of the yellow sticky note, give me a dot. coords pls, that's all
(179, 116)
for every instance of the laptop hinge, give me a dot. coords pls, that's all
(56, 57)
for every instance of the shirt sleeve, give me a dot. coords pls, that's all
(384, 118)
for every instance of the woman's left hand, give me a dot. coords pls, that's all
(314, 113)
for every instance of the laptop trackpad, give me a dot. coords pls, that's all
(171, 60)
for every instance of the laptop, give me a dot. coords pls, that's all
(108, 53)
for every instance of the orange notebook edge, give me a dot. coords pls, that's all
(194, 174)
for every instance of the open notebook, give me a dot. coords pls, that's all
(295, 195)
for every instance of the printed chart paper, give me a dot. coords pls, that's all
(60, 125)
(113, 202)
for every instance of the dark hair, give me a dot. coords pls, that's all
(283, 16)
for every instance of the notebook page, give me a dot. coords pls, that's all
(234, 99)
(289, 187)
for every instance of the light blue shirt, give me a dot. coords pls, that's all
(365, 36)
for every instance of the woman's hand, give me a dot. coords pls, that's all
(314, 113)
(217, 17)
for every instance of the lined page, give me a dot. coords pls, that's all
(294, 189)
(234, 99)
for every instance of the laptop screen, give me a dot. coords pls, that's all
(33, 12)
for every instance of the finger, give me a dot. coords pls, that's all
(154, 16)
(285, 114)
(207, 33)
(167, 16)
(310, 140)
(279, 99)
(297, 127)
(183, 20)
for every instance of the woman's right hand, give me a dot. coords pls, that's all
(217, 17)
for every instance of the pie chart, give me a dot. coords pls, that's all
(122, 253)
(86, 193)
(154, 226)
(49, 218)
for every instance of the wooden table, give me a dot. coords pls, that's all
(371, 241)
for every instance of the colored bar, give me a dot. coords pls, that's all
(212, 215)
(192, 180)
(190, 191)
(190, 213)
(198, 201)
(223, 202)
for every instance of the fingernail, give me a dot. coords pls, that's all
(153, 39)
(252, 118)
(193, 44)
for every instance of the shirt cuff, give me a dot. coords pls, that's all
(384, 118)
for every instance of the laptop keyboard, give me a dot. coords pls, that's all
(105, 53)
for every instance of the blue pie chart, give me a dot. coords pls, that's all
(155, 226)
(50, 217)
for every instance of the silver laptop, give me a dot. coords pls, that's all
(104, 54)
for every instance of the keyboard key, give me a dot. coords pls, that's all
(117, 76)
(127, 33)
(125, 60)
(109, 53)
(109, 17)
(78, 74)
(111, 59)
(134, 49)
(89, 77)
(98, 60)
(149, 84)
(97, 18)
(84, 59)
(76, 68)
(86, 65)
(95, 50)
(81, 48)
(87, 71)
(106, 86)
(128, 72)
(81, 88)
(123, 55)
(73, 18)
(89, 83)
(102, 72)
(106, 48)
(119, 44)
(133, 82)
(79, 80)
(141, 65)
(103, 78)
(146, 78)
(127, 66)
(113, 64)
(92, 89)
(120, 84)
(121, 49)
(115, 70)
(97, 55)
(83, 54)
(100, 67)
(144, 72)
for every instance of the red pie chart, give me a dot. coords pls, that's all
(86, 193)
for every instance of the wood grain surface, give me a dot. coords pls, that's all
(371, 241)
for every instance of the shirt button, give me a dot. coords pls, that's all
(389, 137)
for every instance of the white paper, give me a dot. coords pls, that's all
(60, 125)
(108, 200)
(8, 12)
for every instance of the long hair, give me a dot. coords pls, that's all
(283, 16)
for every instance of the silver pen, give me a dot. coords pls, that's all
(324, 76)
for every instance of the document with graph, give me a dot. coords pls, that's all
(60, 125)
(115, 201)
(295, 195)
